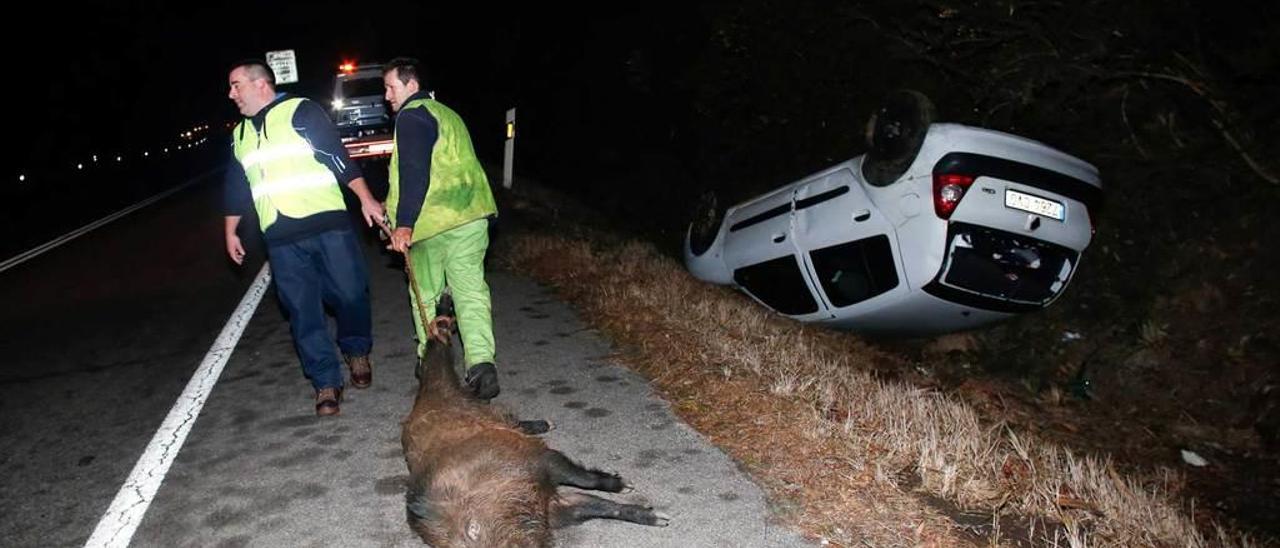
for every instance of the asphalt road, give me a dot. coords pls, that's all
(102, 334)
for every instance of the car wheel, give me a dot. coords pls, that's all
(895, 133)
(705, 225)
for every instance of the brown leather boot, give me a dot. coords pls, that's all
(361, 371)
(327, 401)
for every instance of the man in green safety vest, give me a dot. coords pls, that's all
(439, 202)
(288, 164)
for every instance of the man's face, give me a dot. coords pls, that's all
(397, 91)
(247, 94)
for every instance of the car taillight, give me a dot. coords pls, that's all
(948, 189)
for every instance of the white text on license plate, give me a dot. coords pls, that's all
(1033, 204)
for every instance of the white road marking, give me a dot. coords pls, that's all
(117, 526)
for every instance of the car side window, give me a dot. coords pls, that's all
(779, 284)
(855, 271)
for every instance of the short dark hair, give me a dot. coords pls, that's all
(256, 69)
(407, 68)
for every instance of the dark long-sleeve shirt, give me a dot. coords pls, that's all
(314, 125)
(416, 134)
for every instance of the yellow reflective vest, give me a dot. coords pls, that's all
(284, 175)
(459, 189)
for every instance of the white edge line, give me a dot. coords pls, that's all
(121, 520)
(38, 250)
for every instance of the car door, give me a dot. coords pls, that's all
(845, 242)
(758, 249)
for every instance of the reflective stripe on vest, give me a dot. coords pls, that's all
(277, 152)
(284, 185)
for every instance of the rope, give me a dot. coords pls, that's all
(428, 328)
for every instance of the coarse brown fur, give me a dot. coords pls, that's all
(477, 480)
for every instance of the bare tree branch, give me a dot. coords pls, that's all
(1200, 89)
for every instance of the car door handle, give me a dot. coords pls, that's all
(859, 216)
(779, 237)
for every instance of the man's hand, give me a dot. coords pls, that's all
(369, 207)
(372, 211)
(234, 249)
(400, 239)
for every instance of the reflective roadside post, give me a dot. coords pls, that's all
(508, 154)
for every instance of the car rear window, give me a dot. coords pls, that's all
(1005, 266)
(363, 87)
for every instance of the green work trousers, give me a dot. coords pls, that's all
(455, 258)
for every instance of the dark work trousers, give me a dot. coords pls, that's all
(325, 270)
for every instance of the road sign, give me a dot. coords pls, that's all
(509, 149)
(284, 64)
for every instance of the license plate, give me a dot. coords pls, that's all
(1034, 204)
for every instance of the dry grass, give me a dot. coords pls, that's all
(843, 454)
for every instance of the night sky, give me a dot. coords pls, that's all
(124, 75)
(700, 93)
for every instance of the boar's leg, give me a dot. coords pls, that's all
(575, 508)
(535, 427)
(562, 471)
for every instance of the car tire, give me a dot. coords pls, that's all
(705, 224)
(895, 132)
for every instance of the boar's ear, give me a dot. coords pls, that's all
(473, 530)
(417, 502)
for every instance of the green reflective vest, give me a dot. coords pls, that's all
(283, 173)
(459, 189)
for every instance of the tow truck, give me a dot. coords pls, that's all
(359, 112)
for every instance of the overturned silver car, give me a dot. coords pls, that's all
(938, 228)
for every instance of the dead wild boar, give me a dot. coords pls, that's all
(477, 479)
